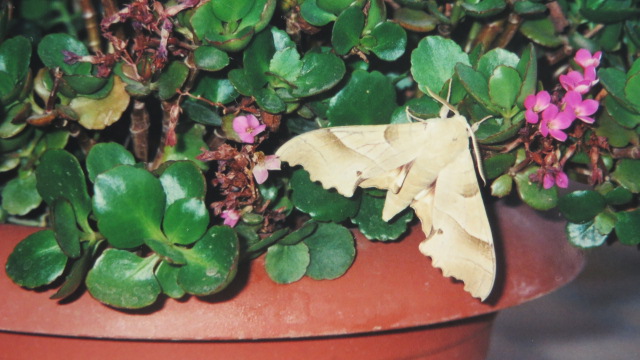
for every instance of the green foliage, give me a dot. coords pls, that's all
(176, 76)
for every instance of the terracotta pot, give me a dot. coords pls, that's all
(392, 304)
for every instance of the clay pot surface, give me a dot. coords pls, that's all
(391, 290)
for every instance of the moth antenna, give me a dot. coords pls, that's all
(476, 125)
(411, 116)
(476, 151)
(446, 107)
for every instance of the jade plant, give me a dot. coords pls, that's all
(142, 133)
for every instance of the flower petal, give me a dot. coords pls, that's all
(548, 181)
(562, 180)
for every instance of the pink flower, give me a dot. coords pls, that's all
(554, 121)
(585, 59)
(263, 165)
(555, 176)
(247, 127)
(231, 217)
(575, 81)
(581, 108)
(534, 104)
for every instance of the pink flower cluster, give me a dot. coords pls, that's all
(555, 118)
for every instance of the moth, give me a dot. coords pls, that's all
(425, 164)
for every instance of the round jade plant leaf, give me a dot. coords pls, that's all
(541, 31)
(172, 79)
(484, 8)
(489, 62)
(129, 204)
(581, 206)
(347, 30)
(605, 222)
(285, 64)
(366, 99)
(333, 6)
(528, 69)
(15, 56)
(391, 41)
(59, 175)
(434, 60)
(315, 15)
(584, 235)
(211, 263)
(621, 114)
(618, 196)
(498, 164)
(36, 261)
(502, 186)
(19, 195)
(415, 20)
(50, 50)
(185, 221)
(190, 143)
(332, 251)
(504, 85)
(370, 223)
(627, 174)
(105, 156)
(182, 179)
(124, 280)
(628, 227)
(97, 114)
(167, 275)
(87, 84)
(256, 60)
(533, 193)
(476, 85)
(64, 225)
(322, 205)
(167, 251)
(287, 263)
(632, 89)
(228, 11)
(209, 58)
(77, 273)
(319, 72)
(268, 100)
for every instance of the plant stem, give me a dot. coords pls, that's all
(488, 34)
(91, 25)
(166, 125)
(557, 17)
(513, 24)
(629, 152)
(139, 130)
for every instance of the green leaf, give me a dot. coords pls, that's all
(106, 156)
(89, 84)
(50, 50)
(618, 196)
(214, 89)
(60, 175)
(129, 203)
(171, 79)
(627, 174)
(185, 221)
(181, 180)
(533, 193)
(167, 275)
(620, 114)
(391, 41)
(123, 280)
(484, 8)
(302, 233)
(541, 31)
(229, 11)
(488, 62)
(528, 69)
(286, 64)
(332, 251)
(632, 90)
(584, 235)
(526, 7)
(333, 6)
(190, 143)
(268, 100)
(64, 225)
(605, 222)
(616, 135)
(256, 246)
(36, 261)
(319, 72)
(77, 274)
(434, 60)
(476, 85)
(209, 58)
(315, 15)
(370, 223)
(581, 206)
(614, 80)
(502, 186)
(497, 164)
(504, 86)
(366, 99)
(201, 112)
(322, 205)
(211, 263)
(167, 251)
(628, 227)
(256, 59)
(97, 114)
(608, 11)
(415, 20)
(347, 29)
(15, 56)
(287, 263)
(19, 195)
